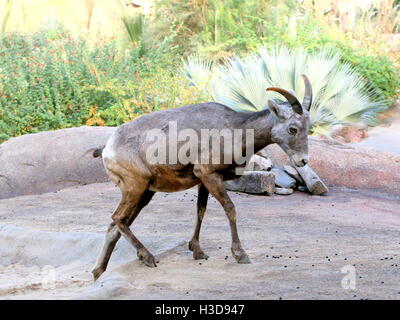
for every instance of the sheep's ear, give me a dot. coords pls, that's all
(275, 108)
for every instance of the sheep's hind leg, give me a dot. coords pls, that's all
(113, 235)
(130, 199)
(194, 244)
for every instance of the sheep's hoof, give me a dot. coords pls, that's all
(147, 258)
(244, 259)
(97, 272)
(199, 254)
(241, 256)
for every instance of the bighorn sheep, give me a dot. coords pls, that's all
(126, 163)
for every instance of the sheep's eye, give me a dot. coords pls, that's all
(292, 131)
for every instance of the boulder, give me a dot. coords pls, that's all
(51, 160)
(348, 166)
(346, 134)
(255, 182)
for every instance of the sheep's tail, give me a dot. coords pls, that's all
(98, 152)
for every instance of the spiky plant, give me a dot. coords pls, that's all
(200, 72)
(340, 95)
(134, 26)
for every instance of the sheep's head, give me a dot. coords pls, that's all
(291, 130)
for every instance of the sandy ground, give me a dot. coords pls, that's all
(298, 245)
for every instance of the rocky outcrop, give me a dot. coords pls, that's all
(346, 166)
(51, 160)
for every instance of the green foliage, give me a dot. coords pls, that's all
(379, 71)
(52, 80)
(219, 29)
(217, 26)
(340, 96)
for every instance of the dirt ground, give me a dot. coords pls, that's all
(298, 245)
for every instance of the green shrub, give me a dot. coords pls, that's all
(219, 29)
(52, 80)
(377, 70)
(215, 27)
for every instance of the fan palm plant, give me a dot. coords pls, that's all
(340, 95)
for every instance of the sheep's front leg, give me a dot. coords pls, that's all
(214, 184)
(194, 244)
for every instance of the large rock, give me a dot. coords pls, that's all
(347, 166)
(51, 160)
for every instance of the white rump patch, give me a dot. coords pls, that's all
(108, 152)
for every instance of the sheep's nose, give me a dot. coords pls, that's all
(304, 161)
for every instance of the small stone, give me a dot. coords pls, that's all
(294, 174)
(313, 182)
(283, 191)
(282, 179)
(302, 188)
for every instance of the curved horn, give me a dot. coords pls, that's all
(289, 97)
(307, 100)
